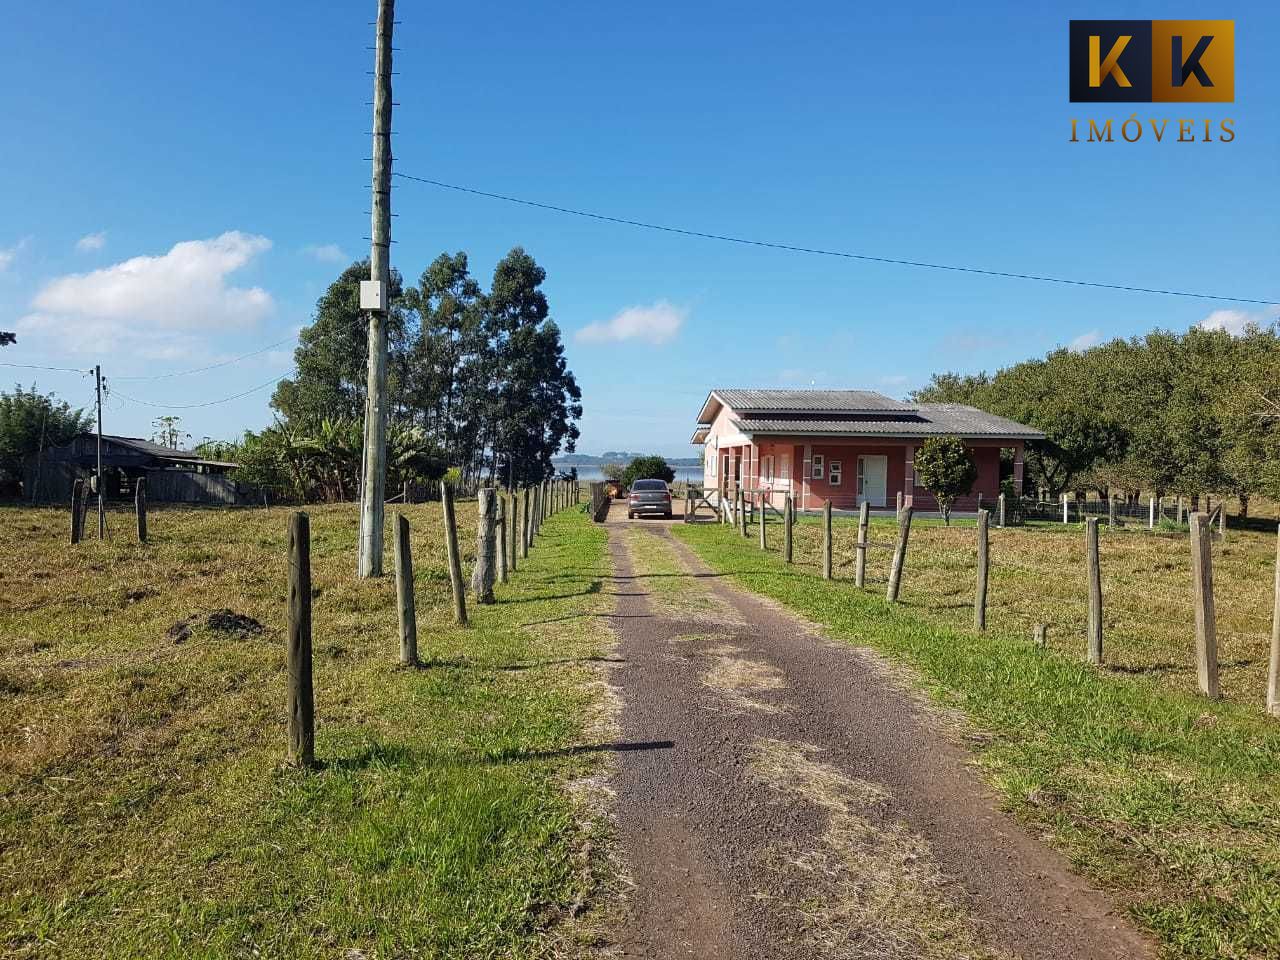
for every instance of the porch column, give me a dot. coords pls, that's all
(1017, 470)
(909, 475)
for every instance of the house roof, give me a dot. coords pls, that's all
(928, 419)
(136, 446)
(799, 402)
(151, 449)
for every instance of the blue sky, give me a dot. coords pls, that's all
(226, 145)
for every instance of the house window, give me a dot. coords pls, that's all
(862, 475)
(818, 465)
(837, 472)
(768, 467)
(711, 464)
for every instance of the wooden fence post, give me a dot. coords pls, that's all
(483, 573)
(788, 522)
(404, 594)
(1041, 635)
(77, 514)
(1222, 519)
(1273, 677)
(500, 548)
(140, 508)
(1095, 590)
(826, 539)
(899, 553)
(526, 522)
(1206, 618)
(1000, 508)
(1064, 509)
(1151, 514)
(900, 502)
(864, 531)
(980, 598)
(1111, 512)
(455, 562)
(513, 527)
(302, 706)
(764, 537)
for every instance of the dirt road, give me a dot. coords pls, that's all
(780, 795)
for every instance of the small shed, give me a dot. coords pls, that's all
(176, 476)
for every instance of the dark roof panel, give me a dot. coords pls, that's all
(931, 419)
(810, 401)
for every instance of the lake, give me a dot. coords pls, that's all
(587, 472)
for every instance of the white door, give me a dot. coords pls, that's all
(873, 476)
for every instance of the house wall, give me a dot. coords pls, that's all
(810, 493)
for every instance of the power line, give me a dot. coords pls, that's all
(212, 366)
(865, 257)
(207, 403)
(30, 366)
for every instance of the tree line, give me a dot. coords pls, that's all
(477, 382)
(1165, 413)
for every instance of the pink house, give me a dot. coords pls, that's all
(846, 446)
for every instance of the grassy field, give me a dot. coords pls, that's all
(1169, 800)
(145, 809)
(1038, 575)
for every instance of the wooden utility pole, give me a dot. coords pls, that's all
(373, 298)
(1095, 590)
(302, 706)
(102, 506)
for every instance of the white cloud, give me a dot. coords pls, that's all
(1085, 341)
(325, 252)
(1236, 321)
(7, 254)
(132, 303)
(92, 241)
(654, 324)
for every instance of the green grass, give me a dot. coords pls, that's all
(146, 811)
(1169, 800)
(1038, 575)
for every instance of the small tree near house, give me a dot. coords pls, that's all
(647, 468)
(944, 468)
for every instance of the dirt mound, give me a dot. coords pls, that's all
(224, 621)
(228, 621)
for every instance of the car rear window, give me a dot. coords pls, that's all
(649, 485)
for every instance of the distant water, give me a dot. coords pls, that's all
(587, 473)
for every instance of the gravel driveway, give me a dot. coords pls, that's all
(779, 795)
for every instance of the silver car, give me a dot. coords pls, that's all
(649, 497)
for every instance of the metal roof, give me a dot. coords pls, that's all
(150, 448)
(801, 401)
(928, 419)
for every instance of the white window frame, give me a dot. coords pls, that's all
(767, 467)
(818, 470)
(712, 461)
(836, 473)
